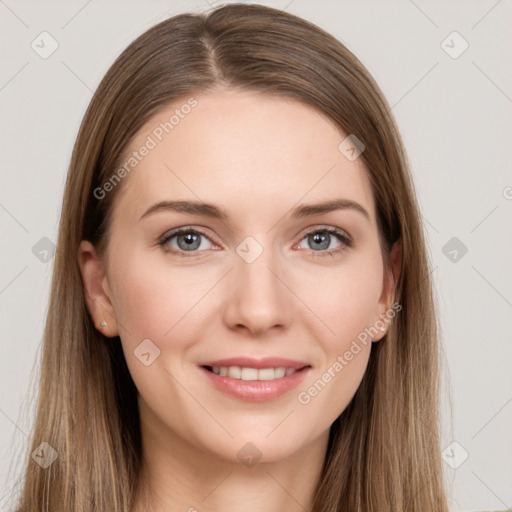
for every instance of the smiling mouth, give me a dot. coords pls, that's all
(254, 374)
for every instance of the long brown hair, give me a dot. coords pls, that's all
(384, 449)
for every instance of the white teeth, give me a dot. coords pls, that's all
(236, 372)
(249, 374)
(266, 374)
(279, 372)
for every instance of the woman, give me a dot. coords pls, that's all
(241, 313)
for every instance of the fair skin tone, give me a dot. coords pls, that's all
(257, 158)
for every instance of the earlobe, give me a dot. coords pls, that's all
(391, 276)
(96, 289)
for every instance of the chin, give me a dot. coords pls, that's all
(249, 450)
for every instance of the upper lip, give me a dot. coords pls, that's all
(265, 362)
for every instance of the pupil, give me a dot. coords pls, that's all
(190, 239)
(322, 239)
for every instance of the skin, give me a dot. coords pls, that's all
(257, 157)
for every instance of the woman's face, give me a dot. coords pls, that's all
(248, 279)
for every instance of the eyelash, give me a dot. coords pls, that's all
(340, 235)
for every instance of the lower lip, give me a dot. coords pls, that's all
(256, 390)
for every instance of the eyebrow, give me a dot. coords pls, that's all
(212, 211)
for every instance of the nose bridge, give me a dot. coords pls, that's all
(253, 268)
(257, 299)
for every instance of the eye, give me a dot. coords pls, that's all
(184, 240)
(191, 240)
(321, 239)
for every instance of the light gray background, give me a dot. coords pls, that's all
(455, 118)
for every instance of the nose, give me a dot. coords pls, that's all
(257, 300)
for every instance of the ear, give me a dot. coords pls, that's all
(96, 289)
(391, 275)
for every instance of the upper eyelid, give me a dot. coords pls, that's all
(184, 229)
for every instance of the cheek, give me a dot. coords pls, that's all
(347, 306)
(346, 300)
(155, 302)
(151, 299)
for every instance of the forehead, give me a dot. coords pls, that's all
(243, 150)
